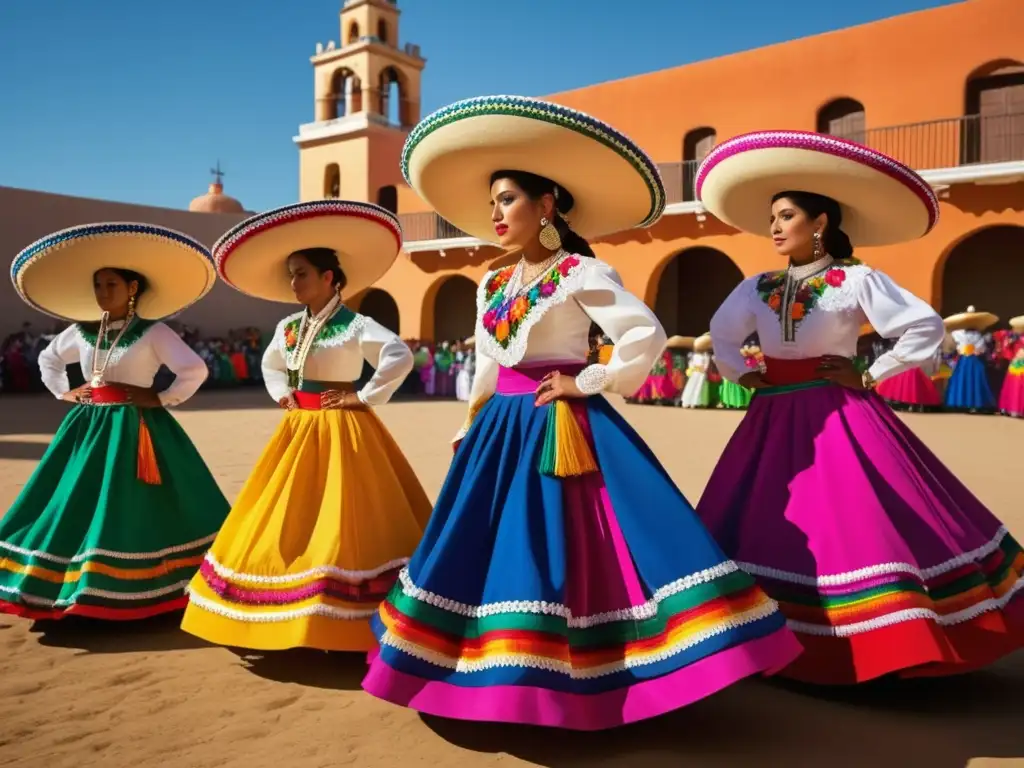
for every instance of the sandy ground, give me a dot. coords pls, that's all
(82, 695)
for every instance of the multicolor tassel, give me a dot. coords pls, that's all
(148, 470)
(566, 451)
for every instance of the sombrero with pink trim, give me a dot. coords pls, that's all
(883, 201)
(252, 257)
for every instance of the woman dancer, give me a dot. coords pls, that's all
(547, 589)
(1011, 396)
(332, 509)
(881, 559)
(699, 392)
(115, 519)
(969, 388)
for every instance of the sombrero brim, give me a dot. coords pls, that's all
(252, 257)
(973, 321)
(1017, 323)
(703, 343)
(680, 342)
(883, 202)
(450, 155)
(55, 273)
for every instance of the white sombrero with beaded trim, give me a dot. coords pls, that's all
(450, 155)
(971, 320)
(883, 202)
(55, 273)
(252, 257)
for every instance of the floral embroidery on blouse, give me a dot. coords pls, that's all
(771, 289)
(333, 328)
(504, 316)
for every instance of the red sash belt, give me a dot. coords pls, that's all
(109, 395)
(781, 372)
(146, 467)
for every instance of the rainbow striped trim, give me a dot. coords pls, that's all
(844, 605)
(535, 109)
(65, 237)
(684, 622)
(830, 145)
(288, 214)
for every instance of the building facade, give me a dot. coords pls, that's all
(915, 86)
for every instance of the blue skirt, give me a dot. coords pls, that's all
(969, 389)
(586, 600)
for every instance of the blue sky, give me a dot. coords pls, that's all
(135, 101)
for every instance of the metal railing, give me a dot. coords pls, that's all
(950, 143)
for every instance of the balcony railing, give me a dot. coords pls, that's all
(936, 144)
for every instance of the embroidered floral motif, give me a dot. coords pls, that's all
(772, 285)
(504, 316)
(335, 327)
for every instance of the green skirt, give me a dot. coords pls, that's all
(734, 395)
(87, 536)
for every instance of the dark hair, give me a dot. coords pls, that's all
(535, 188)
(324, 260)
(129, 276)
(837, 243)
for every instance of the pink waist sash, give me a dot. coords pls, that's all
(524, 379)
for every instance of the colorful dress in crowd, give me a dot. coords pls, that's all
(699, 392)
(658, 386)
(732, 393)
(332, 509)
(464, 376)
(969, 388)
(548, 588)
(121, 508)
(881, 559)
(913, 389)
(1011, 396)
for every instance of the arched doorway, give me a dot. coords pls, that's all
(381, 307)
(986, 270)
(455, 309)
(691, 287)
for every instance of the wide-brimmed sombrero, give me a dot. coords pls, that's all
(971, 320)
(450, 155)
(1017, 323)
(679, 342)
(55, 273)
(252, 257)
(703, 343)
(883, 201)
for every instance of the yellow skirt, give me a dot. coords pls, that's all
(314, 542)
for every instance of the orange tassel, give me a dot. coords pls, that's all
(148, 470)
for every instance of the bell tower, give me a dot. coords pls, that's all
(366, 91)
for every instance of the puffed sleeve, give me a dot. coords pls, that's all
(732, 324)
(391, 358)
(61, 352)
(274, 367)
(485, 383)
(634, 329)
(188, 368)
(896, 313)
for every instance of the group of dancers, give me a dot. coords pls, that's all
(561, 578)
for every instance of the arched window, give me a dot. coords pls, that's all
(696, 146)
(332, 180)
(353, 32)
(382, 31)
(844, 118)
(387, 198)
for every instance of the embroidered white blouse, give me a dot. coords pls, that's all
(836, 299)
(556, 328)
(135, 363)
(969, 342)
(337, 355)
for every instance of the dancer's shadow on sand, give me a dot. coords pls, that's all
(159, 633)
(306, 666)
(942, 723)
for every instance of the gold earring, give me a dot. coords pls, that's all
(818, 251)
(549, 236)
(131, 305)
